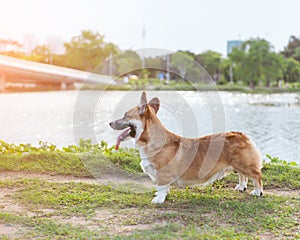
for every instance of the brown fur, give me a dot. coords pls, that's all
(190, 160)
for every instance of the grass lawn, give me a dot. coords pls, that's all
(103, 195)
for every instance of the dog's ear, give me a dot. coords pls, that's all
(154, 103)
(143, 103)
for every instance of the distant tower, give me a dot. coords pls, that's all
(143, 43)
(143, 36)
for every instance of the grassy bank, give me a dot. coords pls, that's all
(69, 204)
(155, 84)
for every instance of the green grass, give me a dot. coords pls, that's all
(123, 210)
(46, 162)
(44, 228)
(197, 212)
(154, 84)
(124, 162)
(84, 160)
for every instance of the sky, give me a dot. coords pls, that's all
(191, 25)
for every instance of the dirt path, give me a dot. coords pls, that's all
(105, 179)
(111, 179)
(110, 220)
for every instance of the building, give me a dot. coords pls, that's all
(232, 44)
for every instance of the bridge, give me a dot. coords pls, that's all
(28, 74)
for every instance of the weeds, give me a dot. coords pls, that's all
(277, 160)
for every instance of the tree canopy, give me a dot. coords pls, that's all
(128, 62)
(255, 61)
(292, 70)
(87, 50)
(211, 61)
(293, 48)
(42, 54)
(183, 61)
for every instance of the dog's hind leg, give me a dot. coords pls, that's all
(257, 182)
(255, 174)
(243, 180)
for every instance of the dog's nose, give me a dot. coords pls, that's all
(110, 123)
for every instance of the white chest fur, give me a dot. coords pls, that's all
(147, 166)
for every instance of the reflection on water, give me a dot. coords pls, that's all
(272, 121)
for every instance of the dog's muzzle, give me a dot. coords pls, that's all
(128, 131)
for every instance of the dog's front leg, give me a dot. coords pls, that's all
(162, 192)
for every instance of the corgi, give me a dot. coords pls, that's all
(168, 158)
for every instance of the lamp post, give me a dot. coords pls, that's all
(143, 44)
(168, 69)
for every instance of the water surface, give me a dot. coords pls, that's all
(271, 120)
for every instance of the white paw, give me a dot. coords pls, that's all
(158, 200)
(240, 187)
(162, 192)
(256, 193)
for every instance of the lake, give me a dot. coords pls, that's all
(62, 118)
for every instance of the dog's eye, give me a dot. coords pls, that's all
(126, 115)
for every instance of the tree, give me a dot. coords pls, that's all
(183, 61)
(156, 65)
(128, 62)
(225, 70)
(157, 62)
(292, 70)
(9, 46)
(194, 74)
(293, 48)
(41, 53)
(255, 61)
(296, 54)
(87, 50)
(211, 61)
(273, 67)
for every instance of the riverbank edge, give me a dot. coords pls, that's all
(192, 87)
(180, 87)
